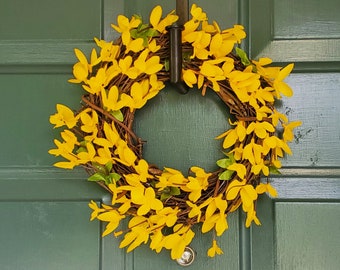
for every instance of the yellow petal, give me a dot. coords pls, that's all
(263, 61)
(189, 27)
(261, 188)
(153, 65)
(285, 72)
(241, 131)
(221, 225)
(272, 191)
(80, 71)
(209, 223)
(230, 139)
(155, 16)
(200, 81)
(189, 77)
(125, 63)
(248, 194)
(197, 13)
(167, 21)
(136, 45)
(65, 165)
(239, 168)
(81, 56)
(216, 42)
(128, 238)
(248, 153)
(123, 24)
(233, 189)
(283, 88)
(256, 169)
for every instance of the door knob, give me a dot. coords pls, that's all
(187, 258)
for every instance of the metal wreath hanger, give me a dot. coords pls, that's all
(175, 62)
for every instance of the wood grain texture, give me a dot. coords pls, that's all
(306, 19)
(47, 184)
(46, 32)
(44, 214)
(229, 242)
(312, 246)
(295, 31)
(226, 13)
(307, 188)
(26, 104)
(315, 103)
(48, 19)
(48, 235)
(179, 130)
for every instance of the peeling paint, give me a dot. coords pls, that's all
(301, 134)
(315, 158)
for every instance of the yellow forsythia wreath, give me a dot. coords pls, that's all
(162, 205)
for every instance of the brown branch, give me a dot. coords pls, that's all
(102, 111)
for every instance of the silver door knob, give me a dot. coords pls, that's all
(187, 258)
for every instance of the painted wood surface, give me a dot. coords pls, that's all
(44, 215)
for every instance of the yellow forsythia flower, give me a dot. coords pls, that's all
(177, 241)
(157, 23)
(146, 198)
(262, 188)
(113, 217)
(64, 116)
(215, 249)
(279, 85)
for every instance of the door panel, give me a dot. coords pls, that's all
(296, 31)
(312, 246)
(26, 103)
(299, 224)
(201, 244)
(183, 129)
(44, 214)
(314, 102)
(42, 20)
(45, 32)
(225, 13)
(46, 235)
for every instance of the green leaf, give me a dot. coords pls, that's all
(134, 33)
(187, 55)
(118, 115)
(143, 31)
(274, 170)
(97, 177)
(81, 149)
(175, 191)
(138, 16)
(114, 176)
(231, 157)
(244, 58)
(170, 191)
(165, 196)
(145, 41)
(151, 32)
(108, 167)
(83, 143)
(226, 175)
(142, 26)
(166, 64)
(100, 168)
(224, 163)
(153, 184)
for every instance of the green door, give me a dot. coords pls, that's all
(43, 210)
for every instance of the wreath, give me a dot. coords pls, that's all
(162, 205)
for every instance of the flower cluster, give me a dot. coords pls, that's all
(163, 205)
